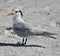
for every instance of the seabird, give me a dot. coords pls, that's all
(22, 28)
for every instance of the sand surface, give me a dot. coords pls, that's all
(43, 14)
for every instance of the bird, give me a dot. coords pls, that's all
(22, 28)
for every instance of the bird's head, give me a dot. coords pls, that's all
(15, 12)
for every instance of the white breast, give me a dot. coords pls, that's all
(18, 22)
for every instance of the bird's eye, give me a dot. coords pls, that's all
(16, 11)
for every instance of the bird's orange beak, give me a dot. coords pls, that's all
(10, 14)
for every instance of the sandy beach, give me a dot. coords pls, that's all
(43, 14)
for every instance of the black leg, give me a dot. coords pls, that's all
(25, 41)
(22, 42)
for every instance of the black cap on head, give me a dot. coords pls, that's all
(21, 12)
(17, 10)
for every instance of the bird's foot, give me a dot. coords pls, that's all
(22, 44)
(18, 43)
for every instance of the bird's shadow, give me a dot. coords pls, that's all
(19, 45)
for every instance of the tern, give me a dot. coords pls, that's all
(22, 28)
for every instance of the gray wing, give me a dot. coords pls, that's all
(25, 26)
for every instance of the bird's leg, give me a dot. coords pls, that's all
(25, 41)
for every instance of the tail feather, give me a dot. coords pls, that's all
(47, 33)
(44, 33)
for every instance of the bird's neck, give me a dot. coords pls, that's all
(18, 17)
